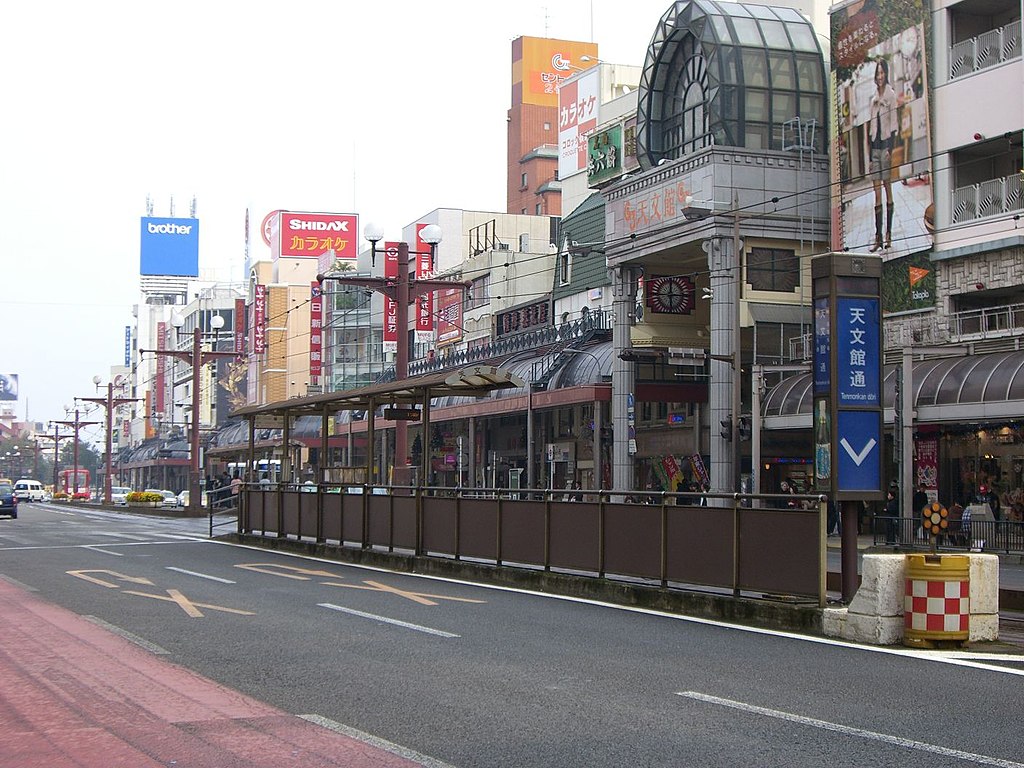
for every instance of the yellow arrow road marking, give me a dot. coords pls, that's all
(274, 570)
(191, 608)
(133, 579)
(417, 597)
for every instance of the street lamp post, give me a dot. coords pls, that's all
(110, 403)
(400, 290)
(196, 358)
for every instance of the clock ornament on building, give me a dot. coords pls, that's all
(670, 295)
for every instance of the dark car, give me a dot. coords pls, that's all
(8, 501)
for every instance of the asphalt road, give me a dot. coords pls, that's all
(477, 676)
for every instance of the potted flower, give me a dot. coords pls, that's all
(143, 499)
(61, 496)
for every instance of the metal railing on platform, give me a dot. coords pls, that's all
(766, 546)
(993, 536)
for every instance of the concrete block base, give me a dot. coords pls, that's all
(875, 615)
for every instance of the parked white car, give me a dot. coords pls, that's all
(182, 500)
(119, 495)
(170, 500)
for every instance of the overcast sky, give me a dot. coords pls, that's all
(321, 106)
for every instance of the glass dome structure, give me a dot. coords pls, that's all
(733, 75)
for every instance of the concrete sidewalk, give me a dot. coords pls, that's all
(74, 694)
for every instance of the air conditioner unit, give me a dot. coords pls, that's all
(503, 247)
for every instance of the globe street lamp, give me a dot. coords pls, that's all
(401, 290)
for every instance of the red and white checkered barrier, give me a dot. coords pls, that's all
(937, 606)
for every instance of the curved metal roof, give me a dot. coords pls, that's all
(585, 366)
(945, 389)
(728, 74)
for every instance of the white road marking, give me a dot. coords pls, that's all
(856, 732)
(386, 620)
(91, 546)
(376, 741)
(201, 575)
(128, 536)
(940, 657)
(151, 647)
(95, 548)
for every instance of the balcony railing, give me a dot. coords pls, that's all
(985, 50)
(565, 333)
(989, 198)
(988, 322)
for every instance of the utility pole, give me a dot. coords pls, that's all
(56, 437)
(110, 403)
(77, 424)
(196, 358)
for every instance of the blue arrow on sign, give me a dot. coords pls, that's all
(860, 451)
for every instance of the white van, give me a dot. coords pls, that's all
(29, 490)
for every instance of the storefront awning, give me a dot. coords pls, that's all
(951, 389)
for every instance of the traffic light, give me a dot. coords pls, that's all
(727, 428)
(744, 428)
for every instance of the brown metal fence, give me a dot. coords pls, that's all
(740, 543)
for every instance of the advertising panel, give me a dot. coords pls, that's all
(822, 346)
(169, 247)
(578, 103)
(312, 234)
(883, 140)
(544, 63)
(161, 367)
(390, 306)
(449, 315)
(629, 161)
(316, 314)
(908, 284)
(604, 156)
(128, 346)
(8, 386)
(424, 302)
(239, 326)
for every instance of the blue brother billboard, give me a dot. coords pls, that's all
(169, 247)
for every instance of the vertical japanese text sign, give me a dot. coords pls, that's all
(316, 314)
(847, 378)
(259, 319)
(424, 302)
(390, 306)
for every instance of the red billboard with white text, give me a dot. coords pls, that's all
(425, 301)
(313, 234)
(390, 306)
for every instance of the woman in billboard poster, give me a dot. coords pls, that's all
(882, 135)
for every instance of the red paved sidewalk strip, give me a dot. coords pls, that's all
(73, 694)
